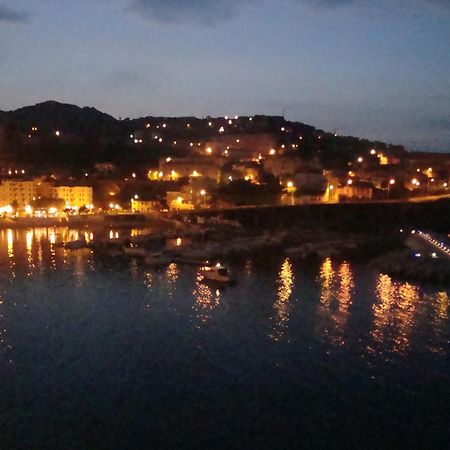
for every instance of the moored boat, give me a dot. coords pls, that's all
(217, 273)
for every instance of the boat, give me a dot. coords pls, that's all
(217, 273)
(75, 245)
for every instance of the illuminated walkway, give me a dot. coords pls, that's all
(440, 247)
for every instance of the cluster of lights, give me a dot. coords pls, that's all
(16, 172)
(435, 242)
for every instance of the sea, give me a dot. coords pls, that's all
(107, 353)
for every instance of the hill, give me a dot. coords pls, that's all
(54, 135)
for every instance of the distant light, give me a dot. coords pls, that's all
(168, 159)
(203, 192)
(331, 187)
(360, 159)
(133, 175)
(136, 197)
(391, 181)
(57, 133)
(350, 182)
(290, 184)
(272, 152)
(373, 152)
(221, 129)
(236, 117)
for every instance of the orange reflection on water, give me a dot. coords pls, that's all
(172, 274)
(327, 278)
(283, 306)
(346, 286)
(206, 300)
(442, 303)
(394, 312)
(335, 298)
(10, 240)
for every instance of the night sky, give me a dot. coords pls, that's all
(378, 69)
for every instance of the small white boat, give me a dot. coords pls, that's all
(216, 273)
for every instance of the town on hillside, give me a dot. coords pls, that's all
(59, 160)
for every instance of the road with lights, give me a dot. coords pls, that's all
(438, 246)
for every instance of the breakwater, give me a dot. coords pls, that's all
(368, 217)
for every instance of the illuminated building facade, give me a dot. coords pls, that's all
(74, 196)
(19, 193)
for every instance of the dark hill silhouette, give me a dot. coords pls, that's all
(88, 136)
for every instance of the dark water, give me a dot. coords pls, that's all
(326, 355)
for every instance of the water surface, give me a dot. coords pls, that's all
(331, 354)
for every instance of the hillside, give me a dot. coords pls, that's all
(53, 135)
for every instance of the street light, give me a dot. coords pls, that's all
(291, 190)
(391, 183)
(203, 194)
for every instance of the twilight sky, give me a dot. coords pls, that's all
(372, 68)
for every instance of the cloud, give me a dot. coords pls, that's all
(207, 12)
(8, 15)
(212, 12)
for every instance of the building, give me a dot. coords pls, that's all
(283, 166)
(178, 201)
(357, 190)
(145, 206)
(75, 196)
(17, 193)
(172, 169)
(310, 180)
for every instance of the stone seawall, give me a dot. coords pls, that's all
(371, 217)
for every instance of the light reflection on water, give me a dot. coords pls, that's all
(206, 300)
(394, 313)
(283, 305)
(394, 304)
(336, 294)
(101, 329)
